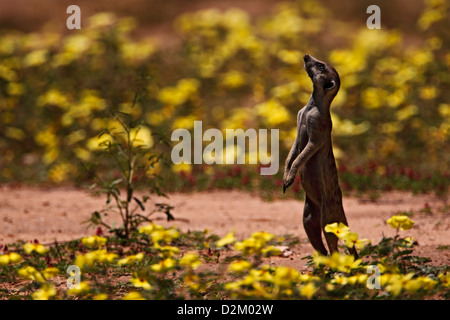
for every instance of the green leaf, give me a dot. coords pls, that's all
(139, 203)
(117, 181)
(402, 253)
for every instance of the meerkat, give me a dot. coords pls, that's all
(312, 155)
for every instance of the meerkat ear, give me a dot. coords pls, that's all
(329, 85)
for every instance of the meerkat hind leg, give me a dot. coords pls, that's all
(312, 225)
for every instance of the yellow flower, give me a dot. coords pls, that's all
(256, 244)
(273, 112)
(308, 290)
(167, 251)
(15, 89)
(351, 240)
(247, 246)
(139, 282)
(164, 265)
(133, 296)
(190, 260)
(290, 56)
(186, 122)
(345, 127)
(337, 261)
(182, 92)
(37, 247)
(431, 16)
(92, 257)
(101, 20)
(340, 230)
(46, 292)
(80, 289)
(233, 286)
(307, 278)
(182, 167)
(54, 97)
(342, 262)
(30, 273)
(444, 109)
(270, 251)
(359, 278)
(94, 241)
(420, 283)
(166, 235)
(130, 259)
(99, 142)
(233, 79)
(59, 172)
(428, 93)
(100, 296)
(158, 233)
(445, 279)
(238, 118)
(227, 239)
(35, 58)
(192, 280)
(396, 282)
(263, 236)
(150, 228)
(14, 133)
(50, 272)
(286, 92)
(240, 266)
(407, 112)
(285, 277)
(10, 258)
(340, 280)
(136, 52)
(373, 98)
(400, 222)
(141, 137)
(409, 241)
(82, 154)
(7, 73)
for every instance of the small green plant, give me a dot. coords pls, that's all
(128, 146)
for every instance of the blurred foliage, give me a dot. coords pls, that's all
(229, 71)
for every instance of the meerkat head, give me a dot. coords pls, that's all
(324, 77)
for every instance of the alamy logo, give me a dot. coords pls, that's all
(73, 281)
(373, 282)
(374, 21)
(74, 20)
(234, 151)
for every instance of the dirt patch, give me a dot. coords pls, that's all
(57, 214)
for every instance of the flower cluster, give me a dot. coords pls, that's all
(343, 232)
(401, 222)
(230, 71)
(165, 263)
(337, 262)
(257, 245)
(272, 283)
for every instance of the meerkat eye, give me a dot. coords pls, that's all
(321, 67)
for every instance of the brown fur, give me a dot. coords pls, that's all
(312, 155)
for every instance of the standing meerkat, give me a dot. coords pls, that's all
(312, 154)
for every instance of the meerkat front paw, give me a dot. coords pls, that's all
(288, 179)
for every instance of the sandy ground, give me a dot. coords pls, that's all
(56, 214)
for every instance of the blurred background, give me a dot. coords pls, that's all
(231, 64)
